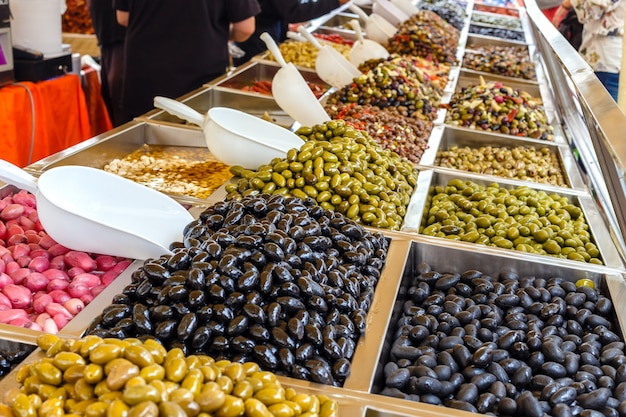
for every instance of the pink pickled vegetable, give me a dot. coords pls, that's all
(44, 284)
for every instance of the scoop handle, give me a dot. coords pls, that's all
(356, 26)
(309, 37)
(273, 47)
(295, 36)
(12, 174)
(356, 9)
(179, 109)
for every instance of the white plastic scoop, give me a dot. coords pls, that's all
(236, 137)
(330, 65)
(291, 91)
(376, 27)
(92, 210)
(406, 6)
(365, 49)
(295, 36)
(392, 13)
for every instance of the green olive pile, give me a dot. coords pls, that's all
(495, 107)
(508, 61)
(426, 34)
(95, 377)
(521, 218)
(495, 20)
(450, 10)
(521, 162)
(393, 83)
(406, 136)
(343, 170)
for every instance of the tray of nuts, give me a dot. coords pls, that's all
(173, 159)
(502, 156)
(538, 219)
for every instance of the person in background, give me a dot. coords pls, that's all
(110, 35)
(275, 17)
(175, 47)
(548, 7)
(603, 31)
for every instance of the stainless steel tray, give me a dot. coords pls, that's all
(359, 395)
(597, 227)
(205, 98)
(444, 137)
(507, 11)
(474, 40)
(120, 142)
(470, 77)
(507, 22)
(540, 90)
(339, 21)
(444, 257)
(260, 71)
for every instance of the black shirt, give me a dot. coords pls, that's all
(104, 22)
(174, 47)
(275, 17)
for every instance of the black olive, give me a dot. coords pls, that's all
(201, 337)
(166, 330)
(242, 344)
(187, 326)
(286, 359)
(141, 319)
(258, 333)
(114, 313)
(237, 326)
(266, 358)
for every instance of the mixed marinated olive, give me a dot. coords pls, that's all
(342, 169)
(507, 346)
(404, 135)
(520, 218)
(426, 34)
(277, 280)
(508, 61)
(393, 83)
(95, 377)
(495, 107)
(522, 162)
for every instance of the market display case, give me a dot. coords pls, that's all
(440, 290)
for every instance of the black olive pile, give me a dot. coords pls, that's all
(426, 34)
(11, 358)
(275, 280)
(508, 34)
(450, 10)
(508, 346)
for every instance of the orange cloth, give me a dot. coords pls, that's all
(98, 113)
(61, 118)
